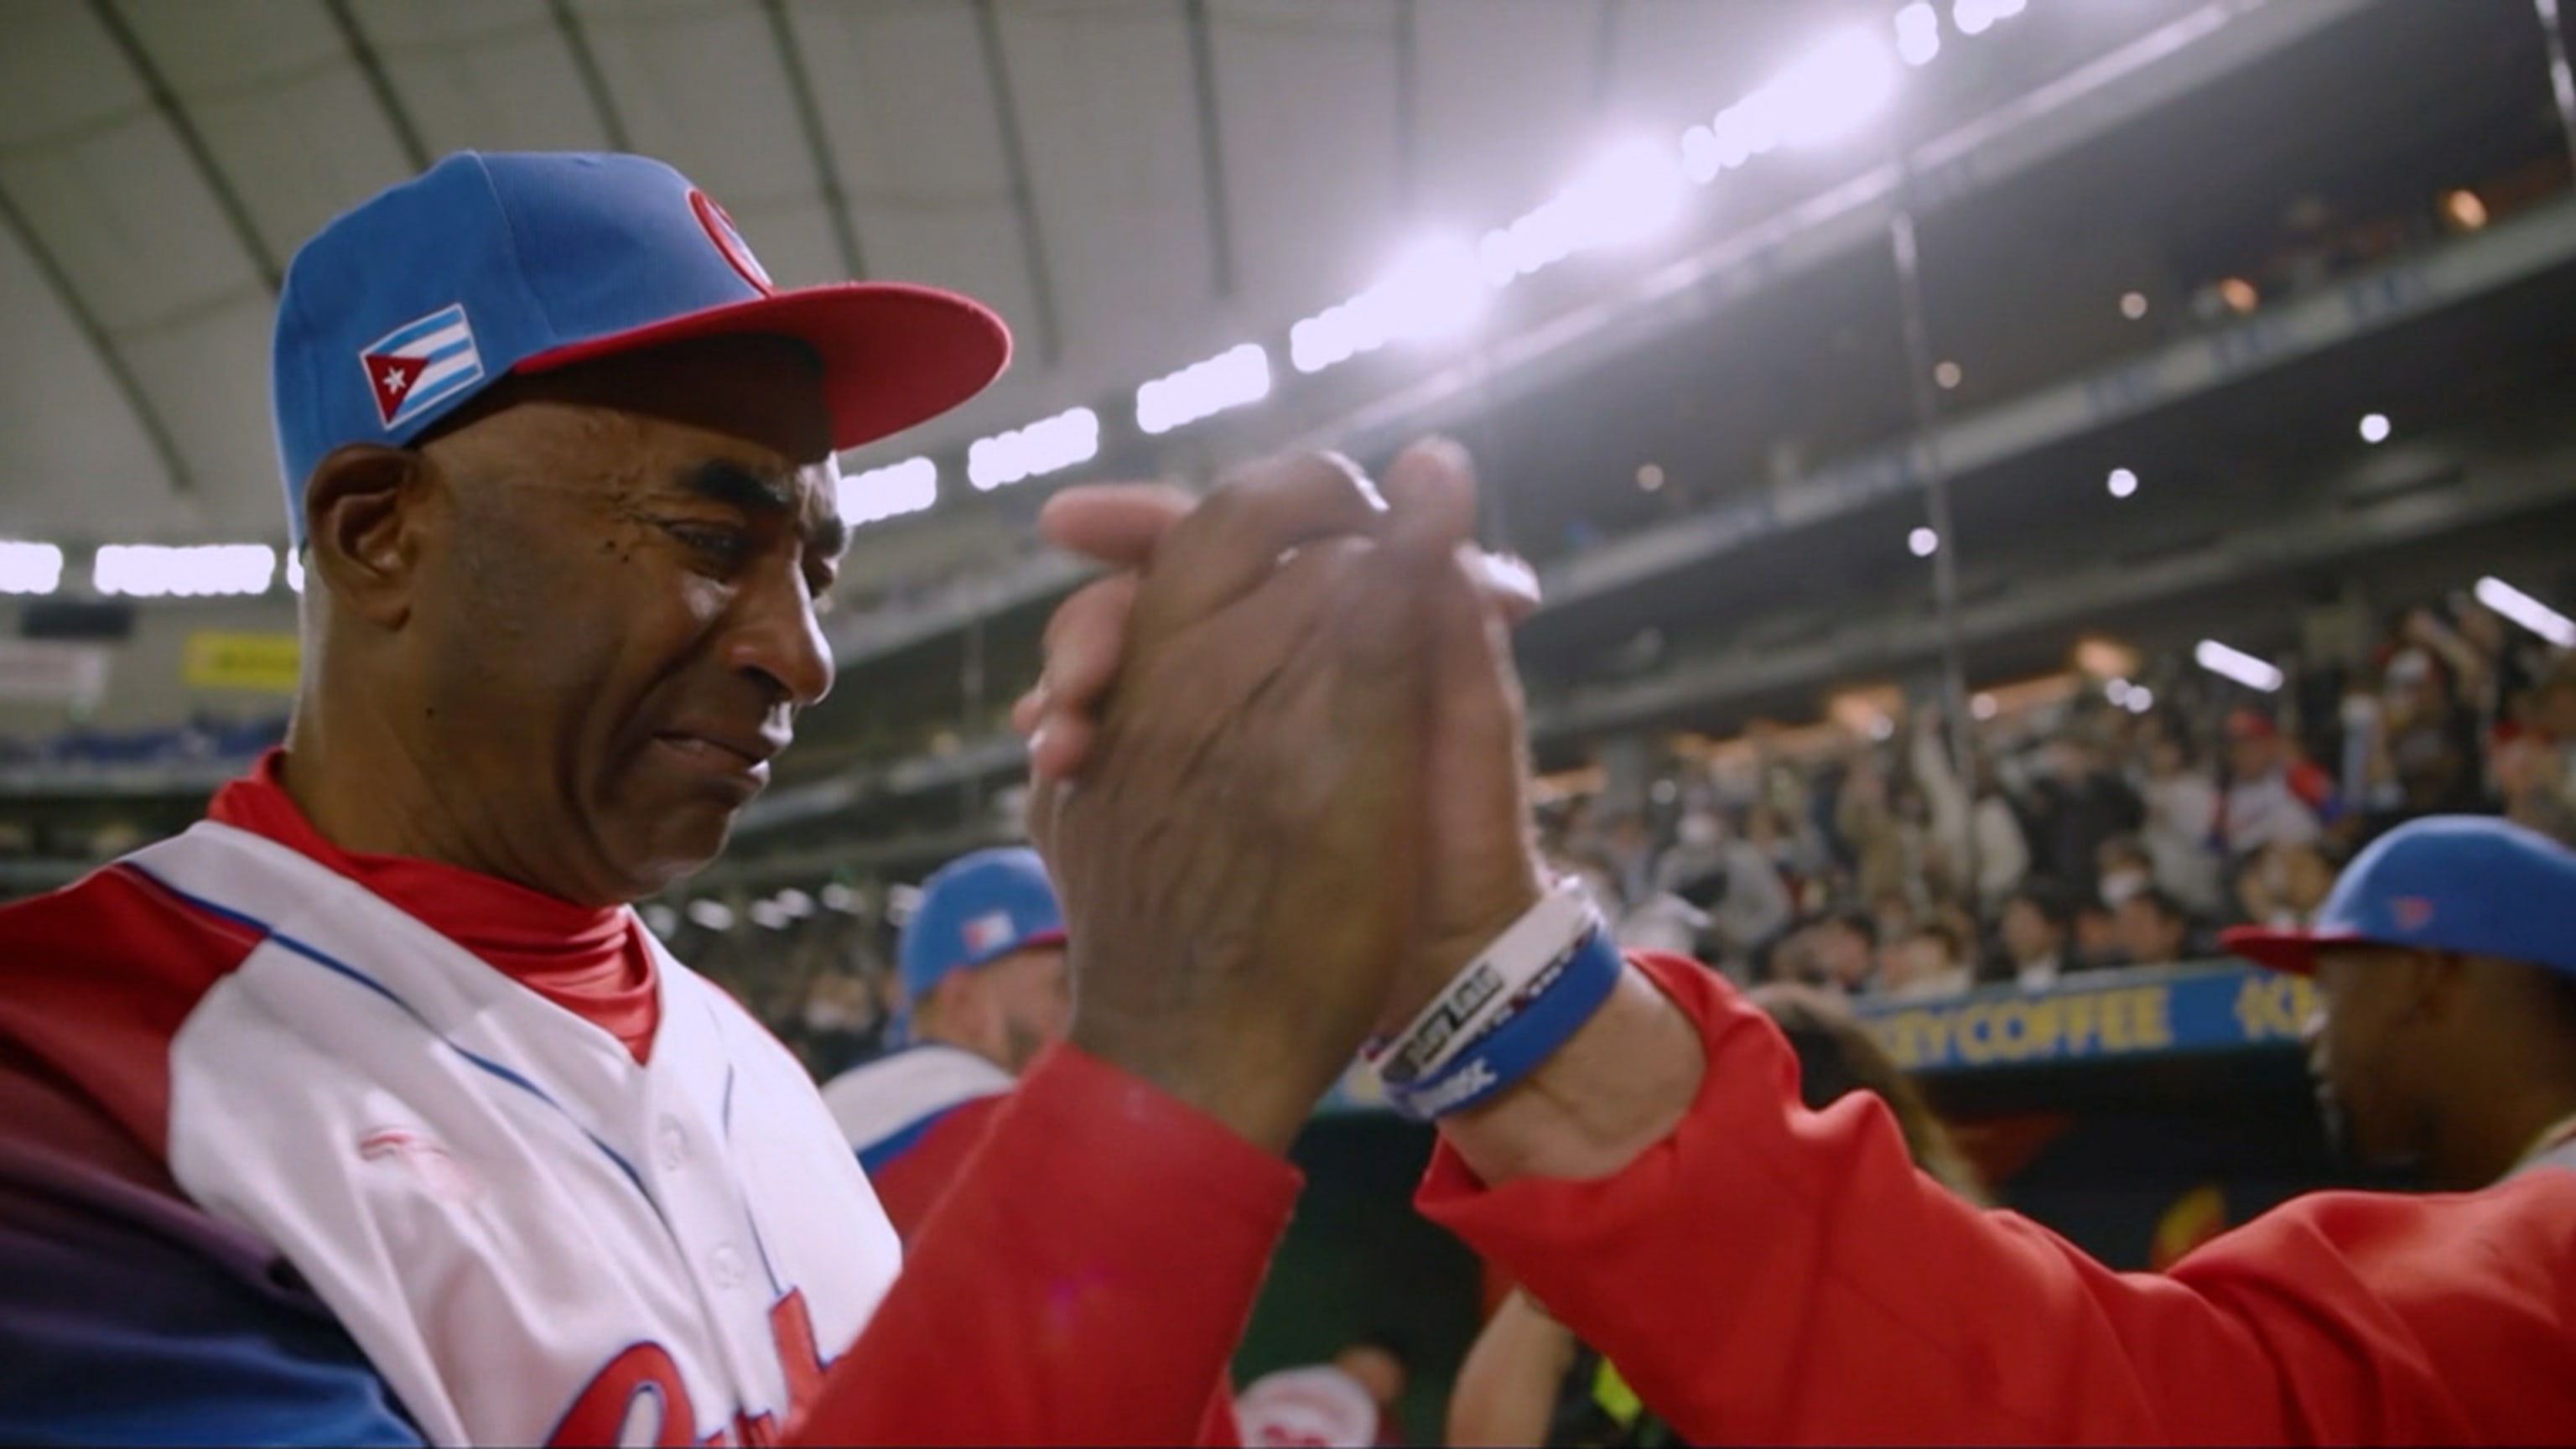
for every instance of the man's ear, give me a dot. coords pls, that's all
(362, 510)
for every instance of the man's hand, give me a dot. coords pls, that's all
(1626, 1077)
(1240, 856)
(1470, 742)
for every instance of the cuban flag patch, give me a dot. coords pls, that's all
(421, 364)
(989, 932)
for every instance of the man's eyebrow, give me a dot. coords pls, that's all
(738, 487)
(735, 486)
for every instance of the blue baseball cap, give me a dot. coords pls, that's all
(397, 312)
(976, 909)
(2467, 883)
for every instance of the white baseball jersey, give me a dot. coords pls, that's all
(529, 1236)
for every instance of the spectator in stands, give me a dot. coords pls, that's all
(2536, 768)
(985, 990)
(2038, 927)
(841, 1024)
(1841, 952)
(1865, 819)
(2273, 797)
(2181, 803)
(2427, 739)
(2078, 803)
(1627, 849)
(2154, 929)
(2124, 869)
(1731, 881)
(1983, 827)
(1930, 964)
(2530, 783)
(1348, 1403)
(2094, 943)
(2285, 884)
(1527, 1380)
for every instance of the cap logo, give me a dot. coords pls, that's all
(988, 932)
(421, 364)
(2411, 913)
(729, 243)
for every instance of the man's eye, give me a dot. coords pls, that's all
(731, 545)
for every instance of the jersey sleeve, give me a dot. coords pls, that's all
(1083, 1280)
(1773, 1275)
(909, 1181)
(127, 1316)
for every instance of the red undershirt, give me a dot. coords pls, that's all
(589, 961)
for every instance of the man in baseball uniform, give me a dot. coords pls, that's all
(366, 1112)
(985, 990)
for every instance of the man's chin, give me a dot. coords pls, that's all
(681, 847)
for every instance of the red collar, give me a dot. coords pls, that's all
(590, 961)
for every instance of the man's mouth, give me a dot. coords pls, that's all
(745, 755)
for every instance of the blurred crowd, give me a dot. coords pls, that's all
(2119, 825)
(203, 739)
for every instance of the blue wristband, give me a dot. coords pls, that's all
(1555, 1008)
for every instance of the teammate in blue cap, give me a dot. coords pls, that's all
(985, 990)
(2445, 1031)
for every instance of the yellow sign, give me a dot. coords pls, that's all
(263, 662)
(2185, 1010)
(2094, 1023)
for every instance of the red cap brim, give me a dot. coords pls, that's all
(894, 355)
(2292, 951)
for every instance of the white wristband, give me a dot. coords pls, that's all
(1486, 987)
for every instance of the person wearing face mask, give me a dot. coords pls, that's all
(1732, 882)
(2126, 869)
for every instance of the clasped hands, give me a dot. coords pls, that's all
(1278, 769)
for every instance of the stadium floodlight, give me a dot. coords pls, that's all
(2232, 663)
(2117, 691)
(1830, 92)
(1233, 378)
(1045, 446)
(1976, 17)
(1918, 34)
(888, 492)
(2141, 699)
(295, 570)
(1438, 288)
(151, 571)
(712, 914)
(2374, 428)
(2527, 611)
(1923, 542)
(1630, 192)
(30, 568)
(1701, 161)
(2123, 482)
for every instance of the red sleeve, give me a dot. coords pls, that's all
(1084, 1279)
(1772, 1275)
(908, 1185)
